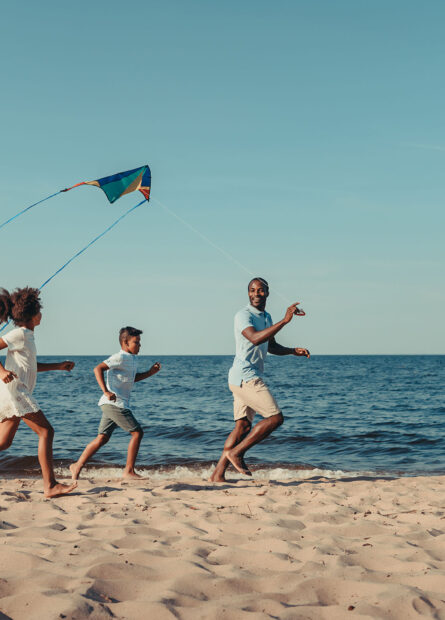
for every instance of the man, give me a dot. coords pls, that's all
(254, 337)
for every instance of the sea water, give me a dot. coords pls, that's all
(352, 414)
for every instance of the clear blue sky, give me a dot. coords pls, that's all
(306, 139)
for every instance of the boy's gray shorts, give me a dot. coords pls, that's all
(113, 416)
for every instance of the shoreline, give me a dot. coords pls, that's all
(312, 548)
(28, 468)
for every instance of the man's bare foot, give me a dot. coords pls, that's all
(131, 474)
(216, 477)
(238, 463)
(75, 471)
(59, 489)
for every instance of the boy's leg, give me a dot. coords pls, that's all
(8, 429)
(40, 425)
(125, 419)
(133, 449)
(89, 451)
(104, 432)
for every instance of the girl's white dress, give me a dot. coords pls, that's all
(16, 397)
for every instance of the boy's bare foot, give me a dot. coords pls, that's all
(238, 463)
(131, 474)
(59, 489)
(75, 471)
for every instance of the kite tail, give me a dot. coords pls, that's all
(28, 208)
(85, 248)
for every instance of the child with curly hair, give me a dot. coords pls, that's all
(18, 378)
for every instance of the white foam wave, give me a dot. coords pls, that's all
(182, 472)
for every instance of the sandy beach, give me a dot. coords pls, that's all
(317, 548)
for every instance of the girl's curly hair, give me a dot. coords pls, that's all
(21, 305)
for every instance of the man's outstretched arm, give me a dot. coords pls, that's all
(258, 337)
(278, 349)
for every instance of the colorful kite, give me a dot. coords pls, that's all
(122, 183)
(114, 187)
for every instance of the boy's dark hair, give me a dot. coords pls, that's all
(127, 332)
(21, 305)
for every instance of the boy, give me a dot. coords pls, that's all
(121, 375)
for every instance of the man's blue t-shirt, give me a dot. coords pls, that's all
(249, 358)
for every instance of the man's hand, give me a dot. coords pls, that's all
(293, 311)
(301, 352)
(155, 368)
(7, 375)
(110, 395)
(67, 365)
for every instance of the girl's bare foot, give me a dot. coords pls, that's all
(75, 471)
(59, 489)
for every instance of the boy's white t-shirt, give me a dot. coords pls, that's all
(120, 378)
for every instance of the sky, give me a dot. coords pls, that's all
(299, 141)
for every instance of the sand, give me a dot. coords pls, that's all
(318, 548)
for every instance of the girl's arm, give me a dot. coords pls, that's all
(43, 367)
(5, 375)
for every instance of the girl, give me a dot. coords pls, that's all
(18, 378)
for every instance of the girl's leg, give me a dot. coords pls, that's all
(89, 451)
(40, 425)
(133, 449)
(8, 429)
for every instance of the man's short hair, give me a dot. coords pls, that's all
(262, 280)
(127, 332)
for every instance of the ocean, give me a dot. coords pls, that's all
(354, 414)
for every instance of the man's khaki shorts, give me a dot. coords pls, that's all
(253, 397)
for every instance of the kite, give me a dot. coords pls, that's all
(114, 186)
(122, 183)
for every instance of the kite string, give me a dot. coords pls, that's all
(211, 243)
(206, 239)
(85, 248)
(27, 209)
(91, 242)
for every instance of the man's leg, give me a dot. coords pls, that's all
(241, 430)
(133, 449)
(259, 432)
(89, 451)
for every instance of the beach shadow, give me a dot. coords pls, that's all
(212, 486)
(105, 489)
(19, 496)
(5, 617)
(323, 480)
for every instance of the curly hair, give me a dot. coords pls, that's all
(5, 305)
(21, 305)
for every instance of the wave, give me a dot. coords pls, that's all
(28, 467)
